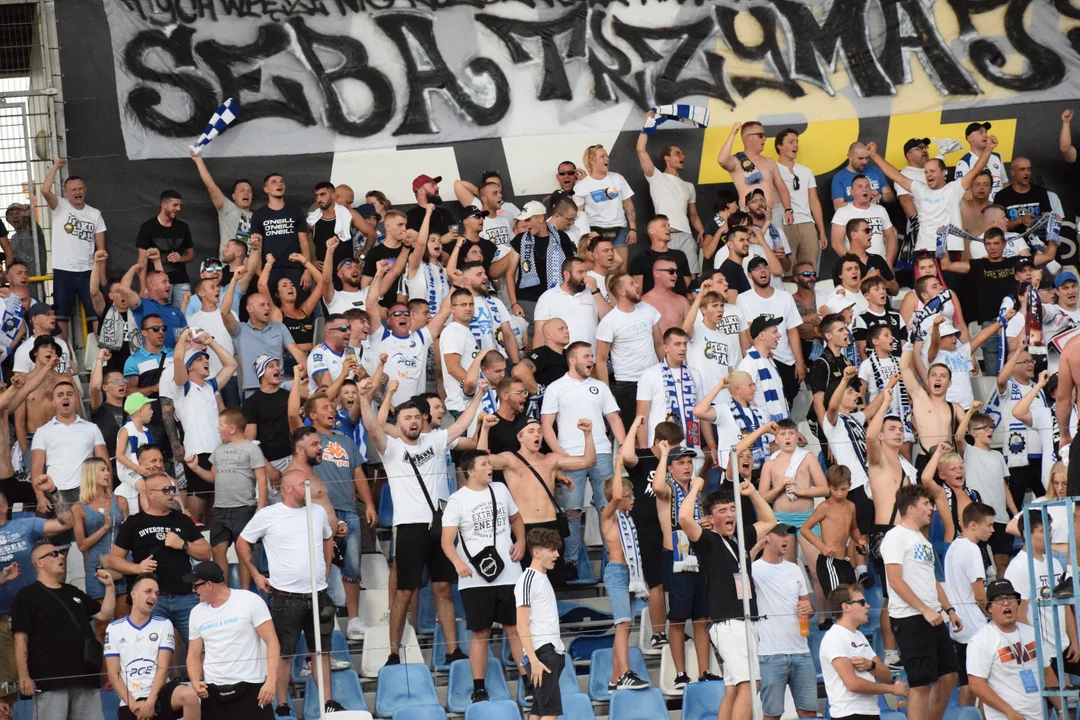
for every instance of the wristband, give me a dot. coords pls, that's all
(873, 664)
(948, 610)
(787, 209)
(596, 291)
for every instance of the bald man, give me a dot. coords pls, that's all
(858, 164)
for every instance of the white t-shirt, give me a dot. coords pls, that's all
(1042, 422)
(577, 311)
(406, 360)
(429, 455)
(489, 313)
(840, 443)
(470, 512)
(1017, 573)
(533, 590)
(427, 276)
(779, 305)
(137, 650)
(603, 200)
(631, 338)
(23, 364)
(839, 642)
(569, 400)
(800, 199)
(1006, 661)
(712, 352)
(963, 566)
(779, 587)
(197, 411)
(915, 554)
(671, 195)
(986, 472)
(343, 300)
(323, 359)
(651, 387)
(73, 234)
(230, 639)
(284, 533)
(959, 363)
(66, 447)
(456, 339)
(994, 165)
(875, 216)
(936, 208)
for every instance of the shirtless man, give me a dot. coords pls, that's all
(38, 408)
(935, 418)
(751, 170)
(975, 201)
(525, 467)
(671, 306)
(307, 453)
(1068, 377)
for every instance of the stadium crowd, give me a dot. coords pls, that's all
(496, 366)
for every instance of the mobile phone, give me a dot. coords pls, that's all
(350, 351)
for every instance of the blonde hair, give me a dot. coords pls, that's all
(1057, 469)
(950, 458)
(586, 159)
(739, 377)
(88, 487)
(628, 487)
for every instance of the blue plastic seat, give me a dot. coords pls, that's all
(577, 706)
(339, 650)
(583, 646)
(110, 703)
(401, 686)
(647, 704)
(701, 700)
(961, 713)
(600, 674)
(586, 574)
(386, 507)
(460, 685)
(571, 613)
(493, 710)
(24, 709)
(438, 649)
(344, 687)
(505, 655)
(420, 712)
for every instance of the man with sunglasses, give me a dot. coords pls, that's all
(406, 350)
(858, 235)
(499, 215)
(806, 234)
(808, 302)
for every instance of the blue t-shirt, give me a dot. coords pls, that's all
(17, 539)
(142, 361)
(175, 322)
(841, 182)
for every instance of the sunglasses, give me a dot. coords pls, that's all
(168, 490)
(339, 328)
(154, 328)
(669, 271)
(860, 601)
(566, 173)
(808, 274)
(53, 554)
(400, 313)
(347, 262)
(756, 134)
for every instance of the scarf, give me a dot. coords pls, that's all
(435, 295)
(687, 391)
(1015, 446)
(751, 175)
(342, 221)
(933, 307)
(481, 329)
(116, 330)
(554, 259)
(632, 553)
(856, 433)
(692, 115)
(490, 402)
(682, 555)
(769, 380)
(12, 321)
(901, 401)
(797, 457)
(748, 423)
(1034, 323)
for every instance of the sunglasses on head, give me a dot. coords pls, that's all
(154, 328)
(348, 261)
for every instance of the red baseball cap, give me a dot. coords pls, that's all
(421, 180)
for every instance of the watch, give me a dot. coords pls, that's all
(873, 664)
(184, 547)
(596, 291)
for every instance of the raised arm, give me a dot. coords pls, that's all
(704, 410)
(908, 375)
(461, 425)
(97, 274)
(644, 161)
(687, 522)
(962, 427)
(1010, 364)
(216, 196)
(580, 462)
(980, 164)
(1022, 409)
(1065, 138)
(227, 317)
(49, 180)
(132, 297)
(887, 169)
(873, 433)
(725, 158)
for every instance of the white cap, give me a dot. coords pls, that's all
(947, 328)
(531, 209)
(839, 303)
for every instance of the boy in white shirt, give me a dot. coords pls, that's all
(965, 583)
(538, 610)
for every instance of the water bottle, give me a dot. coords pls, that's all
(804, 625)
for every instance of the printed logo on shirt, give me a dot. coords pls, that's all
(1015, 652)
(336, 454)
(877, 225)
(923, 553)
(594, 390)
(279, 226)
(82, 229)
(730, 324)
(599, 196)
(717, 351)
(481, 519)
(423, 457)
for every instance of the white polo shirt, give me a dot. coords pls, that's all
(570, 400)
(197, 411)
(578, 311)
(66, 446)
(323, 359)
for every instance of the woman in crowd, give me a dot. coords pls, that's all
(427, 278)
(299, 320)
(98, 516)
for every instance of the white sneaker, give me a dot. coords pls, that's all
(306, 670)
(336, 664)
(355, 629)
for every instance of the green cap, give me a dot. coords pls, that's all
(135, 402)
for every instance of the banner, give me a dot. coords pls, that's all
(316, 76)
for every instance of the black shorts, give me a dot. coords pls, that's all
(556, 575)
(485, 606)
(926, 650)
(833, 572)
(876, 536)
(196, 485)
(226, 524)
(961, 663)
(547, 699)
(651, 545)
(291, 613)
(864, 509)
(688, 594)
(1001, 542)
(19, 491)
(414, 550)
(162, 708)
(1027, 477)
(235, 702)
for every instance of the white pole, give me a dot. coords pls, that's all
(316, 662)
(751, 636)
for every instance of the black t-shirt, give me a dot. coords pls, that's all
(144, 535)
(54, 643)
(175, 238)
(994, 281)
(735, 275)
(109, 418)
(320, 233)
(540, 249)
(503, 438)
(642, 264)
(377, 253)
(869, 320)
(270, 413)
(874, 262)
(548, 366)
(1035, 201)
(641, 476)
(825, 372)
(718, 557)
(280, 230)
(441, 220)
(487, 248)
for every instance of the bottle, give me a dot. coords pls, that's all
(804, 625)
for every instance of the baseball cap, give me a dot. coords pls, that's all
(526, 423)
(475, 212)
(1022, 262)
(210, 264)
(783, 529)
(750, 195)
(839, 303)
(914, 143)
(40, 309)
(208, 570)
(677, 453)
(421, 180)
(532, 209)
(1063, 278)
(947, 328)
(262, 362)
(974, 127)
(756, 262)
(12, 206)
(192, 355)
(368, 210)
(761, 323)
(135, 402)
(1001, 587)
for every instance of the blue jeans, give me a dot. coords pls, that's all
(575, 499)
(781, 671)
(991, 353)
(67, 286)
(176, 297)
(176, 609)
(351, 572)
(617, 584)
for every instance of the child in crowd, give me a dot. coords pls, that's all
(538, 612)
(880, 364)
(133, 435)
(988, 474)
(965, 584)
(836, 517)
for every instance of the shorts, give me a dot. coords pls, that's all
(547, 698)
(796, 520)
(876, 536)
(833, 572)
(1024, 478)
(19, 491)
(805, 248)
(291, 613)
(864, 509)
(729, 639)
(414, 550)
(9, 673)
(779, 672)
(617, 584)
(926, 650)
(1001, 542)
(617, 236)
(226, 524)
(162, 708)
(241, 704)
(961, 663)
(67, 286)
(688, 595)
(651, 547)
(556, 575)
(487, 605)
(196, 485)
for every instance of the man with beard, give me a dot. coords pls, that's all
(234, 212)
(669, 391)
(751, 170)
(406, 350)
(808, 302)
(353, 292)
(544, 364)
(843, 182)
(1024, 202)
(731, 267)
(769, 234)
(499, 217)
(764, 300)
(916, 152)
(973, 204)
(155, 301)
(413, 464)
(858, 239)
(673, 197)
(511, 417)
(882, 234)
(570, 301)
(331, 218)
(641, 267)
(172, 238)
(490, 323)
(530, 265)
(282, 230)
(663, 296)
(631, 334)
(426, 190)
(531, 477)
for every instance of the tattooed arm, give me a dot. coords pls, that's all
(168, 414)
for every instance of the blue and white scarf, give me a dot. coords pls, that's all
(478, 330)
(437, 290)
(933, 307)
(856, 433)
(632, 552)
(749, 421)
(682, 555)
(553, 259)
(226, 113)
(772, 386)
(489, 403)
(687, 390)
(692, 115)
(900, 402)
